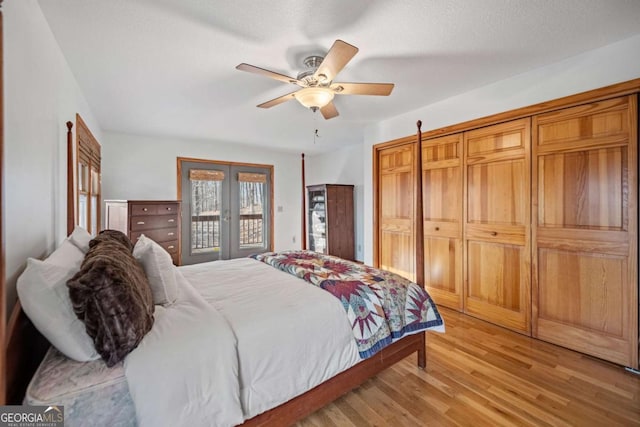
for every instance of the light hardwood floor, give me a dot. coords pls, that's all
(479, 374)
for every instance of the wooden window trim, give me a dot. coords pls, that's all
(88, 152)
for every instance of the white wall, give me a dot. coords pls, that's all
(342, 167)
(601, 67)
(141, 167)
(41, 95)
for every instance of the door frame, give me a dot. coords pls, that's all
(181, 160)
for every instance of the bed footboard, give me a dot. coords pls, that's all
(325, 393)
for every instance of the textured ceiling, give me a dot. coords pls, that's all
(167, 67)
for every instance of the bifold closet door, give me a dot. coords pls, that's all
(442, 213)
(585, 287)
(497, 256)
(396, 209)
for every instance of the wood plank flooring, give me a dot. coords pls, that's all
(479, 374)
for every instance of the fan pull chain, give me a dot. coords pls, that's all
(315, 125)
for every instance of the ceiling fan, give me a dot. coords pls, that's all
(316, 81)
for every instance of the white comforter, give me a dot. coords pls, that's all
(263, 338)
(185, 370)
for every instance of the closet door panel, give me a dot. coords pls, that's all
(585, 289)
(493, 140)
(441, 194)
(581, 303)
(396, 201)
(595, 124)
(441, 262)
(497, 225)
(497, 193)
(442, 214)
(497, 283)
(397, 252)
(585, 189)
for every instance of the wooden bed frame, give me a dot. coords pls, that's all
(26, 348)
(325, 393)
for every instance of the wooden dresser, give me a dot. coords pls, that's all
(159, 220)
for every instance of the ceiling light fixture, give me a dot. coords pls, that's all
(314, 97)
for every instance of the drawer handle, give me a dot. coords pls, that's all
(494, 233)
(145, 209)
(170, 234)
(140, 222)
(170, 247)
(172, 220)
(437, 228)
(168, 209)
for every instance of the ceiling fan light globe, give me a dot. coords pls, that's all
(316, 97)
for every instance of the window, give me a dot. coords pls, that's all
(88, 191)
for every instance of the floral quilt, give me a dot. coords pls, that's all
(380, 305)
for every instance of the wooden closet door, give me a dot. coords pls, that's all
(585, 229)
(442, 213)
(396, 204)
(497, 224)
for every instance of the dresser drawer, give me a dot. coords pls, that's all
(154, 209)
(171, 247)
(158, 235)
(143, 209)
(150, 222)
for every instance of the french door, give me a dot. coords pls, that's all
(226, 210)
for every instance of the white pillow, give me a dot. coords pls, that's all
(80, 238)
(67, 255)
(44, 296)
(159, 268)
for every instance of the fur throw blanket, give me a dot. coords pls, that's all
(111, 295)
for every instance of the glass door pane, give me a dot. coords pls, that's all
(83, 211)
(83, 196)
(206, 203)
(250, 197)
(205, 212)
(317, 221)
(94, 212)
(252, 214)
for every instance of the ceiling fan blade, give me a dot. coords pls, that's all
(337, 57)
(271, 74)
(380, 89)
(329, 111)
(277, 101)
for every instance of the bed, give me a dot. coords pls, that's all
(290, 340)
(278, 346)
